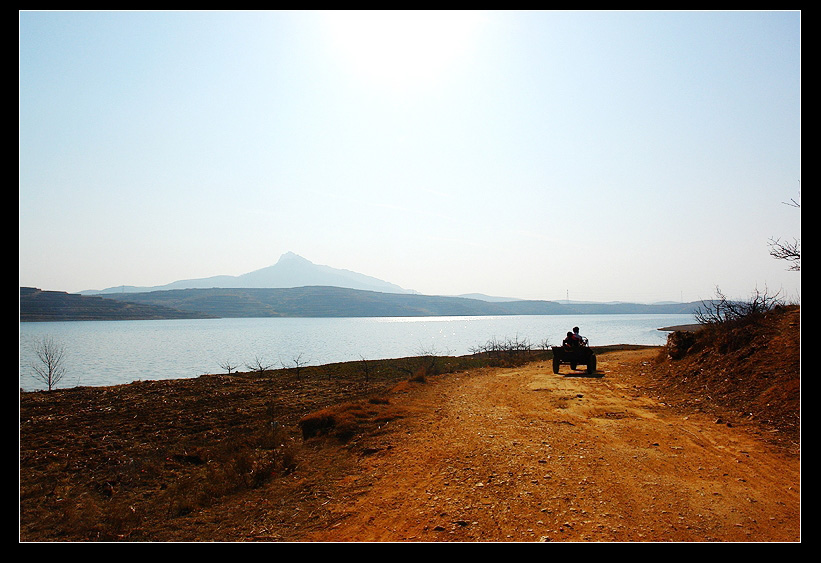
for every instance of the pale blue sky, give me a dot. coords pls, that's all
(635, 156)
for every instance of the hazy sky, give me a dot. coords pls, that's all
(636, 156)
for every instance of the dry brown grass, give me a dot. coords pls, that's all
(125, 462)
(346, 420)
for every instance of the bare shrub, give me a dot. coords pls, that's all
(297, 363)
(366, 367)
(731, 325)
(228, 366)
(721, 311)
(511, 351)
(259, 365)
(425, 363)
(50, 367)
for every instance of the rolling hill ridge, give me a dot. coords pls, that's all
(309, 301)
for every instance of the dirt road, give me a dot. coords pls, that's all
(522, 454)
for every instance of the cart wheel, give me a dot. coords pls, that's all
(556, 364)
(591, 365)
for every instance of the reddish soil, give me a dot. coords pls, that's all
(630, 453)
(525, 455)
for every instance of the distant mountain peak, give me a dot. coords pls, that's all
(291, 270)
(292, 257)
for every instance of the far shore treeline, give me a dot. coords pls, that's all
(311, 301)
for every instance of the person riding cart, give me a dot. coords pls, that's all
(574, 351)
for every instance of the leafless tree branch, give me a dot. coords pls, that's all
(51, 367)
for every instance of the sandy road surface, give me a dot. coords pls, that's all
(523, 454)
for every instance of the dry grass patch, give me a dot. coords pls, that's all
(344, 421)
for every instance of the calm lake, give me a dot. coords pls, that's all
(114, 352)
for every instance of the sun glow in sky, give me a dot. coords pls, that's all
(639, 156)
(401, 50)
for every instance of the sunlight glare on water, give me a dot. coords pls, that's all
(115, 352)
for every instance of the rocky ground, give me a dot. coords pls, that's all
(645, 449)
